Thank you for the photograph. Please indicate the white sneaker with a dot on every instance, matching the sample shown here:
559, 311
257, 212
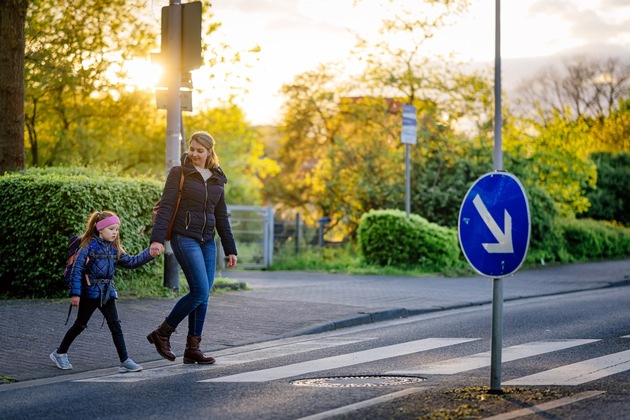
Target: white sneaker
129, 366
61, 360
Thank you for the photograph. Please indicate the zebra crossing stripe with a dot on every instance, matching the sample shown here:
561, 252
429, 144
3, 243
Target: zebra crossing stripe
479, 360
229, 359
343, 360
579, 373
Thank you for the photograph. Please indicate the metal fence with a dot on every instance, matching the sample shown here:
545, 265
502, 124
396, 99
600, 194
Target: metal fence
261, 238
252, 227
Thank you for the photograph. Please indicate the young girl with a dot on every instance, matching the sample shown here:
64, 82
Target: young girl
92, 285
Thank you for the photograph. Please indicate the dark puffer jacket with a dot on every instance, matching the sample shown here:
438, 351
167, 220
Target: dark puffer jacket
98, 261
202, 209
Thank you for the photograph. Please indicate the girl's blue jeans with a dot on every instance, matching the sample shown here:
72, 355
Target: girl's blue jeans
198, 262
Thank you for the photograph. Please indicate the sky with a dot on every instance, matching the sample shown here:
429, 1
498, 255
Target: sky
295, 36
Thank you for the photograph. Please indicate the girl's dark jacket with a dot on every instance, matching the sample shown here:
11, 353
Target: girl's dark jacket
97, 260
202, 209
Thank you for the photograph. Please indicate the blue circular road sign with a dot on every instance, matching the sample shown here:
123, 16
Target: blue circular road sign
494, 224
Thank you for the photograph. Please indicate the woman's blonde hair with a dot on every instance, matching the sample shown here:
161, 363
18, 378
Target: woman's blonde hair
207, 141
91, 231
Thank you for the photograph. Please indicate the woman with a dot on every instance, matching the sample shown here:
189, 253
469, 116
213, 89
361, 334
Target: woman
202, 211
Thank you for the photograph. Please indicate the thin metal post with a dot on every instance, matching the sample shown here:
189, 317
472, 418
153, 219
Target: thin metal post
407, 182
271, 235
173, 121
497, 284
498, 122
297, 233
497, 335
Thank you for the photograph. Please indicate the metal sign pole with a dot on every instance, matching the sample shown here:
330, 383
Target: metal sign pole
173, 121
407, 182
497, 283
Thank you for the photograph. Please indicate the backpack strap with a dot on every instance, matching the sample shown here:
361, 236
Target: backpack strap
68, 318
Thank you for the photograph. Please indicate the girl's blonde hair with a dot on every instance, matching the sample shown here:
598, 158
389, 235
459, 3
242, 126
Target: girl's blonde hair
208, 142
91, 231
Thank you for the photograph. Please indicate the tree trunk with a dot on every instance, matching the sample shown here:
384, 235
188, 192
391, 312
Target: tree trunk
12, 46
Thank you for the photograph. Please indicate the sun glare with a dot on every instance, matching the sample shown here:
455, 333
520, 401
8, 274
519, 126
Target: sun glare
142, 74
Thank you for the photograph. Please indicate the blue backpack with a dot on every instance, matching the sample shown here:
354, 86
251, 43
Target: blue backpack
73, 249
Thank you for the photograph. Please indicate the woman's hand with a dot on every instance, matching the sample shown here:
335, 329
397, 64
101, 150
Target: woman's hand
231, 261
74, 301
156, 249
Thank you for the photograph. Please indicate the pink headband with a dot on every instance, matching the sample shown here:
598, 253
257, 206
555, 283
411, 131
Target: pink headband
108, 221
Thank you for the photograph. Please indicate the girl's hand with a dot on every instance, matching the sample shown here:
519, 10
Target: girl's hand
156, 249
74, 301
231, 261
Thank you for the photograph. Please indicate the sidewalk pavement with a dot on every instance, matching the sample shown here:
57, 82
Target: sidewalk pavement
277, 305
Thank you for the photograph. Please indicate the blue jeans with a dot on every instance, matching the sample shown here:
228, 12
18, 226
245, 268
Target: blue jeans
198, 262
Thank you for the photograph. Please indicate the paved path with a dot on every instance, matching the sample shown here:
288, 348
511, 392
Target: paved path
279, 304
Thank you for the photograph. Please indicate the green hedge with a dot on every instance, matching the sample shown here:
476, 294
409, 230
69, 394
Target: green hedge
588, 239
42, 208
386, 237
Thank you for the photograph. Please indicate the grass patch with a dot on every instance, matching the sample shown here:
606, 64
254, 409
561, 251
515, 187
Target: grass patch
154, 288
347, 259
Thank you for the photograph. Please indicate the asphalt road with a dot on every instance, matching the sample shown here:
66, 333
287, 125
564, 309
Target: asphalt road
547, 344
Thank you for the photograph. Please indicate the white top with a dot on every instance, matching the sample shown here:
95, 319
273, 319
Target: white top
205, 173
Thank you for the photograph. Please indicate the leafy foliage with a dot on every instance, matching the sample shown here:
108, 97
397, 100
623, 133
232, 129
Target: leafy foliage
441, 181
387, 237
589, 239
610, 199
73, 66
554, 157
240, 150
41, 209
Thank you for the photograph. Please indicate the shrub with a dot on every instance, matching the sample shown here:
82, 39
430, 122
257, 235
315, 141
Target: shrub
609, 200
545, 240
42, 208
588, 239
386, 237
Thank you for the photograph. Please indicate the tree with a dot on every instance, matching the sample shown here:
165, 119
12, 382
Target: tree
12, 21
340, 150
610, 199
612, 133
587, 87
240, 150
555, 156
72, 67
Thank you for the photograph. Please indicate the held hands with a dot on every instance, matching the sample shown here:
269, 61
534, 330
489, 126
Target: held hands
74, 301
231, 261
156, 249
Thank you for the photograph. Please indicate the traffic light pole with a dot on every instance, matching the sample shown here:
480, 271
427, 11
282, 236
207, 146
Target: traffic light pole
173, 120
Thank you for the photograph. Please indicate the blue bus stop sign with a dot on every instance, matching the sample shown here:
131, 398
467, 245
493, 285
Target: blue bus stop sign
494, 225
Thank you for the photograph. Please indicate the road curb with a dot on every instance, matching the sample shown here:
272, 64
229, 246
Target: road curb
397, 313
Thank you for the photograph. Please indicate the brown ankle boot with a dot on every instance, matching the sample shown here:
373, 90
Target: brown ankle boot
192, 354
160, 338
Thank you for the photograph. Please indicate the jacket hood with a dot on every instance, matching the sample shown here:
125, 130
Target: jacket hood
189, 168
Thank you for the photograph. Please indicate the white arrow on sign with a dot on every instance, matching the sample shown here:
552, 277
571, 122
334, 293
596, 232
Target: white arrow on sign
504, 238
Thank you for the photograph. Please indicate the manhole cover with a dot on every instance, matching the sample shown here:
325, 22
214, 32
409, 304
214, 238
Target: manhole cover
359, 381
